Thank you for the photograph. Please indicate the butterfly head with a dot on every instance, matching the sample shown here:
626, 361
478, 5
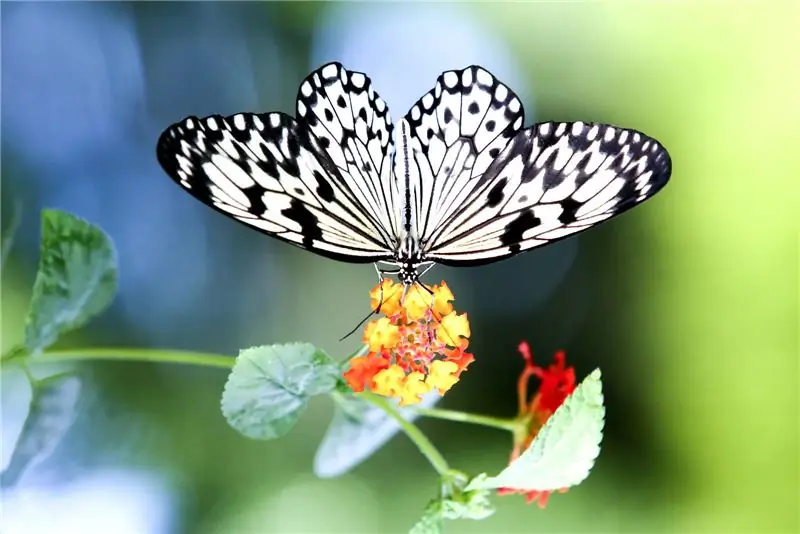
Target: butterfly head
407, 273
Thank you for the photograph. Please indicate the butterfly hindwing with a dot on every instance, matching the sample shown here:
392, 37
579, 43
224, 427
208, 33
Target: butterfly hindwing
551, 181
277, 175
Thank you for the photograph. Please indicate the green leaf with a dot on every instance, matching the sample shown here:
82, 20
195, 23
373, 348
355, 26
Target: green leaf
77, 278
474, 504
431, 521
564, 451
269, 387
7, 239
471, 504
454, 502
51, 413
357, 430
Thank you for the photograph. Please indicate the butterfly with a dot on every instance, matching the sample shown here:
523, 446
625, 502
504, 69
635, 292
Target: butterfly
457, 181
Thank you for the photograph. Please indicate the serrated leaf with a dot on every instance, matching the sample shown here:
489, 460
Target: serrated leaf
564, 451
269, 387
477, 505
357, 430
7, 238
473, 504
431, 521
52, 412
77, 278
454, 502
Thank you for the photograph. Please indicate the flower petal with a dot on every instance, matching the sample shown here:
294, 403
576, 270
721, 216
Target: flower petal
442, 375
363, 369
461, 358
389, 382
442, 299
558, 383
381, 334
454, 330
417, 303
386, 295
414, 387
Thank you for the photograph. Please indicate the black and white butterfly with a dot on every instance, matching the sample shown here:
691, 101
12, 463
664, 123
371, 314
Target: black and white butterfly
461, 183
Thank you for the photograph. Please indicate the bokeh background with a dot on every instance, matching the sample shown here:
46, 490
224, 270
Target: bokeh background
688, 304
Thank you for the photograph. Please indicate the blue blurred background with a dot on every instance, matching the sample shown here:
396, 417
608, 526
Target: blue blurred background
688, 303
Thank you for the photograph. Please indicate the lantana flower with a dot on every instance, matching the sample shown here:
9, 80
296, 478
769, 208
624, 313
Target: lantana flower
418, 346
557, 382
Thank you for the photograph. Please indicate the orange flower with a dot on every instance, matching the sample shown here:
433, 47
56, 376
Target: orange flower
417, 347
362, 370
557, 383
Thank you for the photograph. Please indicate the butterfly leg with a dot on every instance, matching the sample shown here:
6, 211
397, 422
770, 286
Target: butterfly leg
425, 287
382, 272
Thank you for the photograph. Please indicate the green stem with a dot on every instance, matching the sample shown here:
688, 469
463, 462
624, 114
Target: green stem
360, 352
510, 425
17, 351
131, 354
412, 431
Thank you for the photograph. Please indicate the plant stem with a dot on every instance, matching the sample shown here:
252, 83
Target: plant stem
17, 351
360, 352
510, 425
132, 354
412, 431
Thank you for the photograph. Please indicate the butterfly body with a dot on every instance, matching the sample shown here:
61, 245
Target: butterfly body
457, 181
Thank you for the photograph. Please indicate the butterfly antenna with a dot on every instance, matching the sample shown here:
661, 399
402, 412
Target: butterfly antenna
373, 312
364, 320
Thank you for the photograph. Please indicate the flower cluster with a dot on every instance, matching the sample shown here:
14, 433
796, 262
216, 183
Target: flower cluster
557, 383
419, 345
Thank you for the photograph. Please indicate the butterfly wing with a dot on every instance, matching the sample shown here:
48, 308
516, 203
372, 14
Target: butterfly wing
551, 181
450, 136
321, 182
482, 189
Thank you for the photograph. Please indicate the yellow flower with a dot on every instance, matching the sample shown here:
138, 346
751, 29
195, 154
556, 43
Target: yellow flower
417, 303
454, 330
418, 346
386, 295
381, 334
389, 382
414, 387
442, 375
442, 299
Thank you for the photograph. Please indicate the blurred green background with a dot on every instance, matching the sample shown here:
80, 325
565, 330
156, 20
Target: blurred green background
688, 303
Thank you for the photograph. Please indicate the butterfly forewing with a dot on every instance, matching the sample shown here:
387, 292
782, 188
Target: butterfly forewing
552, 180
308, 182
353, 123
452, 134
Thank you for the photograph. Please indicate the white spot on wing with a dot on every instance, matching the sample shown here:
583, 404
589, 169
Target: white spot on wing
483, 77
330, 71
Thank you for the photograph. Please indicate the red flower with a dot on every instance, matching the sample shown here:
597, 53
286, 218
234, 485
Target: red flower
557, 383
